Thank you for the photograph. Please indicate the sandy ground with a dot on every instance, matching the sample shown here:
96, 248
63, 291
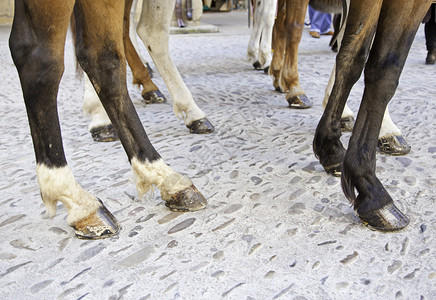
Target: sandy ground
276, 227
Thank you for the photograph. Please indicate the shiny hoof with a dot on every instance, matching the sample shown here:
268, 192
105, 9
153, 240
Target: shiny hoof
388, 218
394, 145
149, 69
347, 124
100, 225
105, 133
190, 199
154, 97
299, 102
257, 65
201, 126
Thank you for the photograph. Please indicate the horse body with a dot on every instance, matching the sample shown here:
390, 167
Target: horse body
37, 46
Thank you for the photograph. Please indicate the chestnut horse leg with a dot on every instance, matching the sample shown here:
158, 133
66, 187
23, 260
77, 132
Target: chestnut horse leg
278, 44
289, 80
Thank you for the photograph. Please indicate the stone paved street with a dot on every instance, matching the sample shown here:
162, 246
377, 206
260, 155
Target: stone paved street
276, 226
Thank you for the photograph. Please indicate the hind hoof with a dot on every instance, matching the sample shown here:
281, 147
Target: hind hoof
201, 126
257, 65
334, 170
99, 225
189, 199
394, 145
154, 97
299, 102
387, 218
347, 124
105, 133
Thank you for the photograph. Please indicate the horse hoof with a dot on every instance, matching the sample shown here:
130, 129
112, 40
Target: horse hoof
149, 69
347, 124
266, 70
299, 102
104, 133
394, 145
99, 225
154, 97
335, 170
201, 126
387, 218
257, 65
189, 199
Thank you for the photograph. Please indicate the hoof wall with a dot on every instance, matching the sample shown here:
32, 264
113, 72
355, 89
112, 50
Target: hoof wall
299, 102
388, 218
394, 145
100, 225
190, 199
154, 97
347, 124
104, 134
201, 126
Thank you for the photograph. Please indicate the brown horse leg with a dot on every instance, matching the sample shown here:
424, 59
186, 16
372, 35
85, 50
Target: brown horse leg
102, 58
141, 76
396, 29
290, 83
278, 44
37, 47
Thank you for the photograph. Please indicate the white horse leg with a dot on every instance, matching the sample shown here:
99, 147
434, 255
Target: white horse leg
268, 14
253, 44
100, 126
154, 30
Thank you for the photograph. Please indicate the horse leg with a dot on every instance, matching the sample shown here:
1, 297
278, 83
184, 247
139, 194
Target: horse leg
102, 58
392, 42
278, 45
37, 47
253, 44
289, 80
350, 61
150, 92
153, 29
268, 13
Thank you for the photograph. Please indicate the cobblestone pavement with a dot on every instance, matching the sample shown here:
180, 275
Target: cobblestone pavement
276, 227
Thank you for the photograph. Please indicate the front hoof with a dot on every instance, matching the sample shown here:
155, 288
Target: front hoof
394, 145
189, 199
387, 218
99, 225
201, 126
104, 133
154, 97
299, 102
347, 124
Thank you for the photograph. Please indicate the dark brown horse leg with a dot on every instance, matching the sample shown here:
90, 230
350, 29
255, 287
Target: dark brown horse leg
141, 76
349, 65
388, 54
37, 47
102, 58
